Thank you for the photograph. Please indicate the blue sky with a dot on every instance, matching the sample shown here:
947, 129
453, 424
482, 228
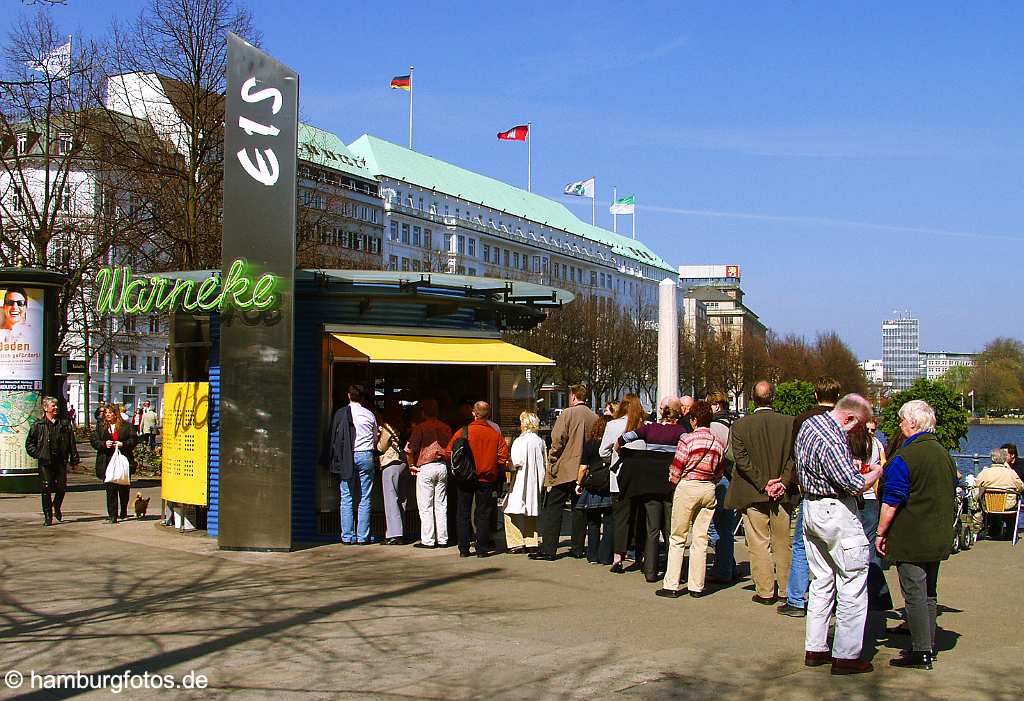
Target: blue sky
853, 158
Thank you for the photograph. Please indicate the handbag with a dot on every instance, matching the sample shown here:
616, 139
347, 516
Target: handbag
597, 479
117, 469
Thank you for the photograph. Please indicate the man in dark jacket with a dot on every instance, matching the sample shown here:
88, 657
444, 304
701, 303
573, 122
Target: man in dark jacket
914, 529
762, 447
51, 441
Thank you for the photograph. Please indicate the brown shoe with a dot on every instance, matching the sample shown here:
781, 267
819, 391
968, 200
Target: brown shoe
814, 658
857, 666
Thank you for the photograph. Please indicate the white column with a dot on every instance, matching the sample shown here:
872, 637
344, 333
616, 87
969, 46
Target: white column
668, 339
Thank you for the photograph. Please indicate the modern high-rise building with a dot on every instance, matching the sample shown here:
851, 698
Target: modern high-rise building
901, 351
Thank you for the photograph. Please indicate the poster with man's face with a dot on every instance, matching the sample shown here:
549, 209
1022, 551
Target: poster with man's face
21, 337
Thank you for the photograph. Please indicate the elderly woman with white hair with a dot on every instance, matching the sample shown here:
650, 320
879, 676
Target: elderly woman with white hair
915, 530
528, 457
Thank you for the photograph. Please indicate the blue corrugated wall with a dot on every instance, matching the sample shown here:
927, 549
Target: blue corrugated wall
213, 515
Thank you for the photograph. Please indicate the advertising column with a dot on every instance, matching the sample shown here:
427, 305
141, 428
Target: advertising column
25, 369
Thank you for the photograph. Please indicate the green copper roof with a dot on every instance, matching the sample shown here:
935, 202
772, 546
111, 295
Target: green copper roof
326, 149
391, 160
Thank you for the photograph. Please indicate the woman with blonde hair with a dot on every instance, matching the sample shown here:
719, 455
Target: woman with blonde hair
528, 458
112, 433
630, 416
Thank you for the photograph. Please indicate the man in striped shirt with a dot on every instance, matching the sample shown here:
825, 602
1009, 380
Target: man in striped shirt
837, 549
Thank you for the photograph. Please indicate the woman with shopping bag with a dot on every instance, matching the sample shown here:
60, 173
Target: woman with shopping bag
114, 440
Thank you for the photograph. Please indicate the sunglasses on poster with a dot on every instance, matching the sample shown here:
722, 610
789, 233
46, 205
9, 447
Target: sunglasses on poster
15, 303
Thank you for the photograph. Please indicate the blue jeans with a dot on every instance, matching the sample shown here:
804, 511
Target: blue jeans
799, 572
723, 525
361, 481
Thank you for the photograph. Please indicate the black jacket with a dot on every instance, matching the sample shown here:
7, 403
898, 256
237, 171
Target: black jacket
52, 443
126, 434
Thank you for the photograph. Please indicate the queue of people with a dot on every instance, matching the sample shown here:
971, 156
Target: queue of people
822, 503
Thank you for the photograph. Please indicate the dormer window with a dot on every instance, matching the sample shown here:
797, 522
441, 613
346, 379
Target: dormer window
64, 144
22, 144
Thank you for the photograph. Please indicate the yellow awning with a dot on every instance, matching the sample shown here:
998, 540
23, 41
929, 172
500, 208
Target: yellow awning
440, 350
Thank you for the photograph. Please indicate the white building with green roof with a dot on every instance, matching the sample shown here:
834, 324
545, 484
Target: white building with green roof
440, 217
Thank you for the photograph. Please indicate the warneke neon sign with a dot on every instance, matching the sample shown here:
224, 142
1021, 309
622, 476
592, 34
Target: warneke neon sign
121, 293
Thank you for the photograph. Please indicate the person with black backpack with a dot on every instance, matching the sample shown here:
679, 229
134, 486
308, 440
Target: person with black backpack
477, 456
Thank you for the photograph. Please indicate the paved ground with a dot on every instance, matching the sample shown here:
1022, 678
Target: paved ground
386, 622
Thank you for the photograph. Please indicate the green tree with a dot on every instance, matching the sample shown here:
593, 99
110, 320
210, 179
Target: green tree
998, 377
794, 397
950, 417
958, 378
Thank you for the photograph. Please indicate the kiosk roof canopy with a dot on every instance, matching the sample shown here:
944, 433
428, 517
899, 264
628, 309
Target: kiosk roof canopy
439, 350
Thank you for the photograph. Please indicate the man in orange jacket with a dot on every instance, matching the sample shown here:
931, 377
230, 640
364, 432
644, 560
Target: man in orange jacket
490, 454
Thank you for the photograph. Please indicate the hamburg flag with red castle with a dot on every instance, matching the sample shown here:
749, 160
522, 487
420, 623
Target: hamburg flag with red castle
518, 133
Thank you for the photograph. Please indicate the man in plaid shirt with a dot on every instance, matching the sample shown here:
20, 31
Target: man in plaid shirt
837, 549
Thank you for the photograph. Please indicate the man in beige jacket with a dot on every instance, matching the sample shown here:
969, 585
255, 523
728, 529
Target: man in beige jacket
998, 476
567, 437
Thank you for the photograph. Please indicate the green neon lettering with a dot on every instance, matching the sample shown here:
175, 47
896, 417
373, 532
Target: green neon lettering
207, 289
180, 290
111, 299
120, 293
140, 284
105, 279
157, 284
263, 293
236, 284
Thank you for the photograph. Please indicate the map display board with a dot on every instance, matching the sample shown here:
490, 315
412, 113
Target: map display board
21, 371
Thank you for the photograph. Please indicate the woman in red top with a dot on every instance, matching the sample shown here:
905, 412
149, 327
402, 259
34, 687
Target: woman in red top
696, 469
113, 432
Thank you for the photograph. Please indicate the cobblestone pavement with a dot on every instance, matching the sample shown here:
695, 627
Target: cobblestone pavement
340, 622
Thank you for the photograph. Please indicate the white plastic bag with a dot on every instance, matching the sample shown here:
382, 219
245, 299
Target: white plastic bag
117, 469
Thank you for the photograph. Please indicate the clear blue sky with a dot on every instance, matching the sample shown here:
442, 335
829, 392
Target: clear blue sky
853, 158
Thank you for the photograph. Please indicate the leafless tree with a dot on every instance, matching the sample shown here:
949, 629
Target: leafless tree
165, 108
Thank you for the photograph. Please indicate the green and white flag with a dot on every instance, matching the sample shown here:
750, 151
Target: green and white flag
626, 205
580, 188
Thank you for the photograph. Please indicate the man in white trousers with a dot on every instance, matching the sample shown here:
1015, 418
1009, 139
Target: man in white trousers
838, 552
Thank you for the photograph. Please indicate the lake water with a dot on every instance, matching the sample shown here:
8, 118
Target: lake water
981, 440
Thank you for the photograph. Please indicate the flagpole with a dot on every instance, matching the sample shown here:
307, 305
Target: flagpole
411, 69
593, 203
634, 217
615, 217
529, 156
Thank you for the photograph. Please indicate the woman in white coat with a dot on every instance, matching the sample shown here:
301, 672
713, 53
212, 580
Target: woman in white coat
528, 456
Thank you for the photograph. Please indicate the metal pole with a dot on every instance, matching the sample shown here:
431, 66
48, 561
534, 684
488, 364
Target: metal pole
634, 217
615, 217
529, 156
593, 205
411, 69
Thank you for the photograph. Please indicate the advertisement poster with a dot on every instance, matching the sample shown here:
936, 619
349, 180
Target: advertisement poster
21, 371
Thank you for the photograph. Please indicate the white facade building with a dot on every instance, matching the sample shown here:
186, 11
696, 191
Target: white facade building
874, 371
440, 217
935, 364
901, 350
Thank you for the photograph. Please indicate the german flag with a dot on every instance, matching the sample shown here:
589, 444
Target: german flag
401, 82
